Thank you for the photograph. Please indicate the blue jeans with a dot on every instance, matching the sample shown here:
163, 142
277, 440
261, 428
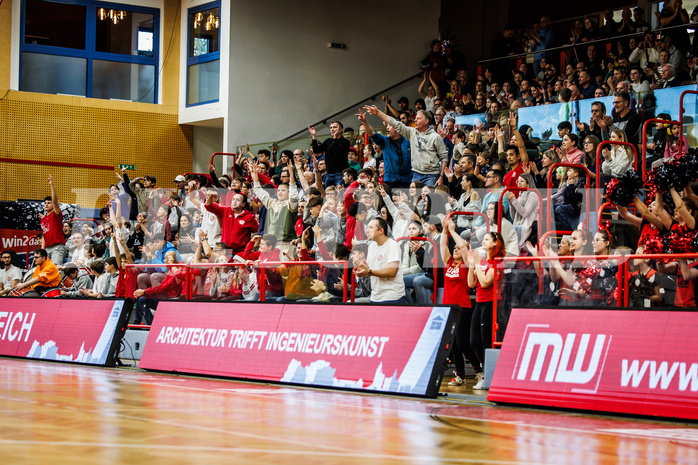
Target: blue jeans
409, 284
334, 179
423, 289
399, 301
426, 179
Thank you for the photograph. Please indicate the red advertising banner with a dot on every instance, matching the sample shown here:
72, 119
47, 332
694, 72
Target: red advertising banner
381, 348
624, 361
19, 239
81, 331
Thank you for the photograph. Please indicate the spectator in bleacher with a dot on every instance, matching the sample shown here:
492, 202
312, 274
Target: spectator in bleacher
410, 263
155, 254
526, 209
671, 145
396, 153
669, 77
610, 27
238, 224
52, 227
572, 194
45, 276
619, 159
673, 14
598, 123
590, 145
549, 158
429, 154
336, 150
97, 270
282, 210
587, 86
170, 288
79, 257
639, 17
640, 88
567, 273
382, 265
626, 119
545, 39
10, 275
569, 151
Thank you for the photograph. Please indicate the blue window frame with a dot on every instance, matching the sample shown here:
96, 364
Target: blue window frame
89, 48
203, 54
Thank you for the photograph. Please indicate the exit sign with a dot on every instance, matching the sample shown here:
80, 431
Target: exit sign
128, 167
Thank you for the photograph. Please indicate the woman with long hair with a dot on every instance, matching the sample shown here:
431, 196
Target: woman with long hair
549, 158
415, 192
469, 201
569, 274
671, 147
619, 159
526, 209
481, 275
568, 150
457, 292
590, 145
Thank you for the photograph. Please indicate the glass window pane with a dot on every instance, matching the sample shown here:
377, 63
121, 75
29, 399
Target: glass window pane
203, 32
202, 82
124, 32
51, 74
55, 24
123, 81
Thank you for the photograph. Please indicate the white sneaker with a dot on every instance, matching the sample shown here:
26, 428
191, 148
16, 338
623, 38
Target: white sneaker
457, 381
479, 381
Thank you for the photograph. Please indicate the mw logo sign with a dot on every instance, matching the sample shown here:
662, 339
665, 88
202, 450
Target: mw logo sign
561, 358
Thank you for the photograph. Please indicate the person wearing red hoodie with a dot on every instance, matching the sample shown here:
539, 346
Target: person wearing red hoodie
274, 286
238, 224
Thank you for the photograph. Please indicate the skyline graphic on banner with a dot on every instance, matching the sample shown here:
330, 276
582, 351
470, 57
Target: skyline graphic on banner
413, 379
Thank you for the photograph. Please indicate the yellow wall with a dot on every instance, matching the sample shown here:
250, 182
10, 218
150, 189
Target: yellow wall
54, 128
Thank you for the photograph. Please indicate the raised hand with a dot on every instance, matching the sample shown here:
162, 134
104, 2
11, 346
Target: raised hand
513, 118
312, 131
361, 116
50, 180
372, 109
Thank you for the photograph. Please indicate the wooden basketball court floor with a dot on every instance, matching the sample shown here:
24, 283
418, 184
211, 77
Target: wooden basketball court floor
66, 414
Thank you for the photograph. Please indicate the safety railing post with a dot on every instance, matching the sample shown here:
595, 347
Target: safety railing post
263, 284
345, 275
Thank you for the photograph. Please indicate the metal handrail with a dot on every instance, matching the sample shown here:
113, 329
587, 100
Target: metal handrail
263, 274
371, 97
619, 276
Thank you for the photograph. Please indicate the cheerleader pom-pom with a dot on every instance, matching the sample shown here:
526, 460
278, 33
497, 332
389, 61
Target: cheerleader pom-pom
654, 245
680, 241
623, 191
694, 241
665, 176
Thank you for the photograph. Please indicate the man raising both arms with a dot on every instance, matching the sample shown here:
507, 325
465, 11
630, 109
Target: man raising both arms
382, 265
429, 153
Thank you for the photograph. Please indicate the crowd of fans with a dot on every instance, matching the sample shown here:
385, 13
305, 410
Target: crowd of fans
411, 202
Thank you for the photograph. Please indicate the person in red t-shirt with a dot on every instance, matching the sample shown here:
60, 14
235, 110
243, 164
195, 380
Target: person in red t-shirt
457, 292
685, 296
481, 273
238, 224
52, 227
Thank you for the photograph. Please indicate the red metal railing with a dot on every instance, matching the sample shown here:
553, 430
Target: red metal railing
208, 177
434, 259
224, 154
551, 173
582, 258
263, 275
644, 141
